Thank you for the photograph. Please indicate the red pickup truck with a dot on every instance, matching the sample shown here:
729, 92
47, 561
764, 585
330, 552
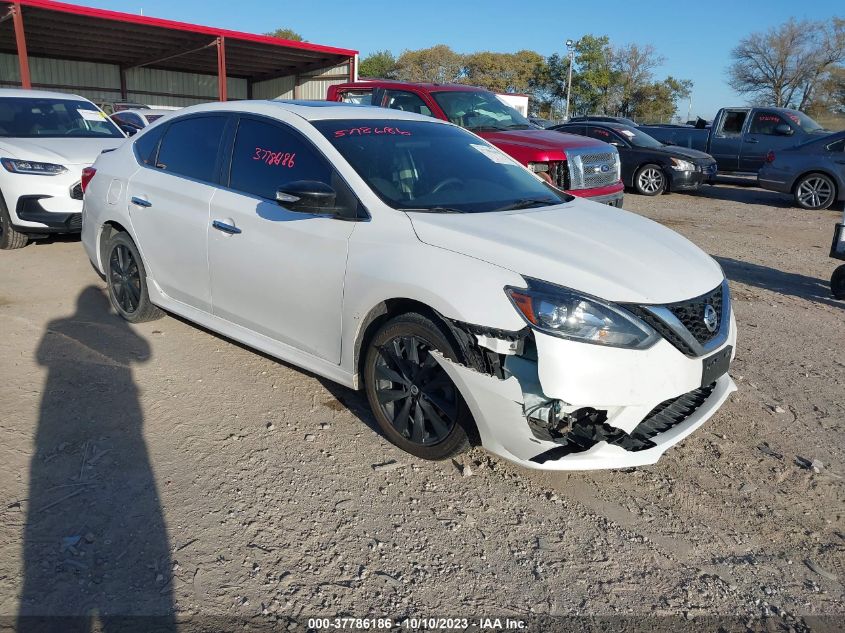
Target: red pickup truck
582, 166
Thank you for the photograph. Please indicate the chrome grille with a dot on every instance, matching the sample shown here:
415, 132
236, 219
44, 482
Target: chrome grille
589, 168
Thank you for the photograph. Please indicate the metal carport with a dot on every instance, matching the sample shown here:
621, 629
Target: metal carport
32, 30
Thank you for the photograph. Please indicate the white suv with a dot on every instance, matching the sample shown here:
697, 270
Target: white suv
46, 139
404, 255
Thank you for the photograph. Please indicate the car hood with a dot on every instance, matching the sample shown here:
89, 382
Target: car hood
65, 151
547, 140
686, 152
593, 248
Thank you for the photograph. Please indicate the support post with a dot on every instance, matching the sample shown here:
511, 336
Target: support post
123, 91
20, 42
221, 69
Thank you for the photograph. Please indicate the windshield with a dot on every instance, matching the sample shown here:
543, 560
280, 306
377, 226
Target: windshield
480, 111
635, 137
23, 117
803, 121
434, 167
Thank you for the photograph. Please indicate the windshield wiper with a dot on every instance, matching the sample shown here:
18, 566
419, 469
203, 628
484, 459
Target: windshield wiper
435, 210
527, 203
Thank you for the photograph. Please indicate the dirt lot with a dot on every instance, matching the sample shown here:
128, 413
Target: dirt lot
161, 468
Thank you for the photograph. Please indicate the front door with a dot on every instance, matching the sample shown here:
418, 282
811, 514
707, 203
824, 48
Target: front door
766, 132
169, 204
275, 271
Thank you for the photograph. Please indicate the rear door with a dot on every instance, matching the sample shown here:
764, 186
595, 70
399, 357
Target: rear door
169, 200
726, 138
763, 135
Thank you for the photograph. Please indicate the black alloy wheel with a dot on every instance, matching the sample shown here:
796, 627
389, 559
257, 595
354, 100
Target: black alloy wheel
127, 281
414, 400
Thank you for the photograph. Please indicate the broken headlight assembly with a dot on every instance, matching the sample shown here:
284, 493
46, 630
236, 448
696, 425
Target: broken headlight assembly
571, 315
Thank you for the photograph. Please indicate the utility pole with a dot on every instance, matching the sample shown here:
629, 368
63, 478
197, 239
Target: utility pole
570, 44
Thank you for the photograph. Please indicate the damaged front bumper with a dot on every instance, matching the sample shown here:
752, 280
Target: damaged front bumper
566, 405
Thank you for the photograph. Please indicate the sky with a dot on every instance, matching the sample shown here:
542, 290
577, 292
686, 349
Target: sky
694, 38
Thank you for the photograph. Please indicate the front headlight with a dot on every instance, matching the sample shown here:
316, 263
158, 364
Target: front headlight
682, 165
565, 313
32, 167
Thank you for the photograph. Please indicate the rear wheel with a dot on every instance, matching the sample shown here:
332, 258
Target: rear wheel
837, 282
414, 401
9, 237
127, 281
650, 180
815, 192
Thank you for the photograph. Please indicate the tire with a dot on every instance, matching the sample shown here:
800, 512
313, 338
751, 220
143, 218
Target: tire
9, 237
650, 180
416, 405
815, 192
837, 282
126, 278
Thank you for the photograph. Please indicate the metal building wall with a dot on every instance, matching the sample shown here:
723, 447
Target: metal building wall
101, 82
312, 86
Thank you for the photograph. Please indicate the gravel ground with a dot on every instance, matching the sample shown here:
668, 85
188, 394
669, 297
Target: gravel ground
161, 469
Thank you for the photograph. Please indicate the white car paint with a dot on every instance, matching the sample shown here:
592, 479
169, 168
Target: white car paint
304, 291
54, 190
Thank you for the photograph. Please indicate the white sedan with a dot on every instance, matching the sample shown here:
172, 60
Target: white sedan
406, 256
46, 139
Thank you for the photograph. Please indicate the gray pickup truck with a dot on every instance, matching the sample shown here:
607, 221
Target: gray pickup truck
740, 138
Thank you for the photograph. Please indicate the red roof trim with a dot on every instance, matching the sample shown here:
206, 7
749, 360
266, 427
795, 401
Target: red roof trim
129, 18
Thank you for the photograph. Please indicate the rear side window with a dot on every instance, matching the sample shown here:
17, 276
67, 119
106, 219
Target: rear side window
733, 122
146, 146
190, 147
601, 134
360, 97
406, 101
267, 156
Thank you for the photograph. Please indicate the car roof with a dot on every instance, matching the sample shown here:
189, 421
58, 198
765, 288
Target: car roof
309, 110
145, 111
39, 94
431, 87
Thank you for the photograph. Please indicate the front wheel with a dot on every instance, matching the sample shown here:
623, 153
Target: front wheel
815, 192
837, 282
127, 281
414, 401
9, 237
650, 180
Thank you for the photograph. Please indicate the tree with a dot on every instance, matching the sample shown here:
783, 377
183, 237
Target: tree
502, 72
286, 34
438, 64
595, 78
380, 65
785, 65
657, 101
633, 67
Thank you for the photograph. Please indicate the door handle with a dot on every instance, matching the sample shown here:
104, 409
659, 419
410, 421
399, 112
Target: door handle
751, 140
226, 228
141, 202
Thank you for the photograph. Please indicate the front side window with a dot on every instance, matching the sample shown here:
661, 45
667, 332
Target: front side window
190, 147
601, 134
766, 122
405, 101
31, 117
429, 166
479, 111
267, 156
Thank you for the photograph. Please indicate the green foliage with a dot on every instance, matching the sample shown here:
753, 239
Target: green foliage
286, 34
378, 65
502, 72
438, 64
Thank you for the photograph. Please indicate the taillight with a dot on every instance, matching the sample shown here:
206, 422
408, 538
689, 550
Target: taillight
87, 175
770, 157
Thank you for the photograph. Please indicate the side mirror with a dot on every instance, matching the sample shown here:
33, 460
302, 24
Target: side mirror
782, 129
307, 196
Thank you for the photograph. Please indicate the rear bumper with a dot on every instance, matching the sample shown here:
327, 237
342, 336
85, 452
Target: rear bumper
773, 184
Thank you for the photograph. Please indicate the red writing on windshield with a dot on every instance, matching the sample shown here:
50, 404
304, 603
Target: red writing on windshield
364, 131
269, 157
